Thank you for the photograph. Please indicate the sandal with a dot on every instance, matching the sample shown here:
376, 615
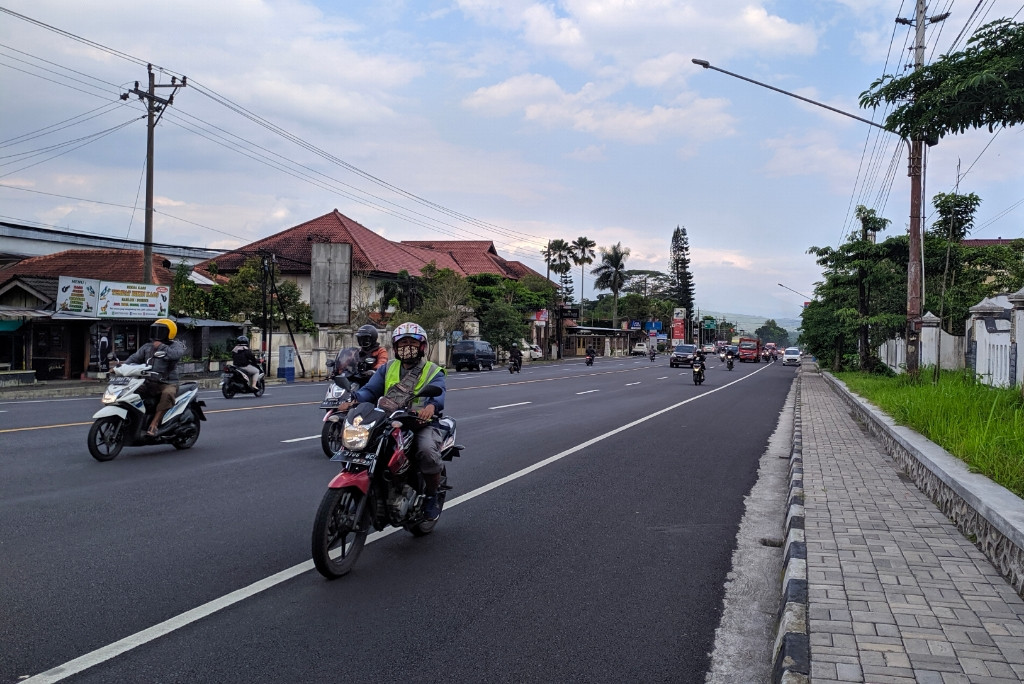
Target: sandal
151, 432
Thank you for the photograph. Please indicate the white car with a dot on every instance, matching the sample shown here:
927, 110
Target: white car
791, 357
640, 349
532, 352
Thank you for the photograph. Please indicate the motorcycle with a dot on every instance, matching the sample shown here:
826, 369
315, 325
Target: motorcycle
514, 365
589, 360
236, 381
377, 486
728, 361
125, 416
347, 365
652, 355
698, 372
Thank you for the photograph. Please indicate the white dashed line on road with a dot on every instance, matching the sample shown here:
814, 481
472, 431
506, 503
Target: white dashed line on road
588, 391
522, 403
632, 383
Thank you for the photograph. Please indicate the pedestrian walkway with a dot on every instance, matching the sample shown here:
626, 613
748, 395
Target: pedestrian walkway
895, 593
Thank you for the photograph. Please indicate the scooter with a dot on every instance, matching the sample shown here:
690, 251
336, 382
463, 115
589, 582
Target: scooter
236, 381
514, 365
589, 360
125, 416
653, 354
728, 361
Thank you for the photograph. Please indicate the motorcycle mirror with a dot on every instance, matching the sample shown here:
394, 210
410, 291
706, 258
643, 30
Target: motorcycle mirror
330, 364
342, 382
430, 391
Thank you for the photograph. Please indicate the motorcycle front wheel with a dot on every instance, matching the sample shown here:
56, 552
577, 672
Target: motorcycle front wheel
330, 437
261, 387
106, 438
338, 537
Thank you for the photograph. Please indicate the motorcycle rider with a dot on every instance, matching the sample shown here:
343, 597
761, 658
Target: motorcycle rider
161, 353
244, 360
698, 357
591, 352
371, 355
515, 355
391, 386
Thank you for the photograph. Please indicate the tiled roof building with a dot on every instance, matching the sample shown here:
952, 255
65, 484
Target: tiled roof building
371, 253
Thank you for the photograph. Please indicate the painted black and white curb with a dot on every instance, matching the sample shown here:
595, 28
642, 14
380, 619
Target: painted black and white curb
791, 655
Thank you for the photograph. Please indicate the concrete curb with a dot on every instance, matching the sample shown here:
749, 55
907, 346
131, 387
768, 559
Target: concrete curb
791, 661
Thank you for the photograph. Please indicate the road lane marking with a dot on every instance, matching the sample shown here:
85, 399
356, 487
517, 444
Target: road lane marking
663, 377
299, 439
632, 383
588, 391
522, 403
105, 653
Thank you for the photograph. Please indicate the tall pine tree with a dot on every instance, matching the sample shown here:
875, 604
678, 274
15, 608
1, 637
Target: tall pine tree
681, 290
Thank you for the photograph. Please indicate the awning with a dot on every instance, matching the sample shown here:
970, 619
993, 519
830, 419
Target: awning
68, 316
8, 312
10, 326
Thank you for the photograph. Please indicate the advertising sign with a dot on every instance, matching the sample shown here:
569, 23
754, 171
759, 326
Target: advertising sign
106, 299
77, 295
133, 300
678, 330
678, 314
634, 325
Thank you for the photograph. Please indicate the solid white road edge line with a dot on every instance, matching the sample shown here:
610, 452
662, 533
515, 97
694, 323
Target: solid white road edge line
101, 655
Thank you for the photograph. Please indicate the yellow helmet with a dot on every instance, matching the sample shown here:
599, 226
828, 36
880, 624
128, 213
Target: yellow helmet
163, 329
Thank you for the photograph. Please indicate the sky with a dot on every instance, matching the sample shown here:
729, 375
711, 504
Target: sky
512, 121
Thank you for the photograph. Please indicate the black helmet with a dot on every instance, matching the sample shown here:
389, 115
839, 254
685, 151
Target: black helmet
242, 339
366, 337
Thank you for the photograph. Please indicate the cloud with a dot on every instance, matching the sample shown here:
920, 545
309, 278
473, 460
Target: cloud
815, 153
590, 153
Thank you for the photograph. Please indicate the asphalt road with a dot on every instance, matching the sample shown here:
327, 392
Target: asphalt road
588, 537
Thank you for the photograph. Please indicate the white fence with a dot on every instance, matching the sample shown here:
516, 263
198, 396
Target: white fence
994, 334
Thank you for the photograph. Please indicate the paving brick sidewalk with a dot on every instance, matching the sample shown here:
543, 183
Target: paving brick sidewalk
895, 591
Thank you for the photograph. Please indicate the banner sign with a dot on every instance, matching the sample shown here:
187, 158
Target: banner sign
108, 299
678, 314
541, 315
678, 330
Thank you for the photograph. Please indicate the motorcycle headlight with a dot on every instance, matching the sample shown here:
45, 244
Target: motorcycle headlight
355, 437
112, 394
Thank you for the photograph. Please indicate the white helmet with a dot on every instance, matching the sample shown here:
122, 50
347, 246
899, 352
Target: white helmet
412, 330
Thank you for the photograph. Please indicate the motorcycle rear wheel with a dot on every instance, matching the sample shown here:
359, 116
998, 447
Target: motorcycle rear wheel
188, 442
261, 387
106, 438
330, 437
425, 527
228, 393
337, 530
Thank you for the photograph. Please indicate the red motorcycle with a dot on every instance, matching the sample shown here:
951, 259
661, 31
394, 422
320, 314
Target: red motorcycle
378, 485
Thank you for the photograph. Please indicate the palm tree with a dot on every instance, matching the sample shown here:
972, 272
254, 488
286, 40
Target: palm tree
611, 275
582, 256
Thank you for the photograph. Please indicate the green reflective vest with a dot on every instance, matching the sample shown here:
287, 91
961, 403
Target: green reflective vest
392, 375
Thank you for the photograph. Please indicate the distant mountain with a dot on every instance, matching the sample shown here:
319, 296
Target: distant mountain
750, 323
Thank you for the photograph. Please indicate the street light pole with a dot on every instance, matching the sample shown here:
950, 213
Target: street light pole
794, 291
915, 171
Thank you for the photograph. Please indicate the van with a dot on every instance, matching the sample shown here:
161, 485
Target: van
473, 354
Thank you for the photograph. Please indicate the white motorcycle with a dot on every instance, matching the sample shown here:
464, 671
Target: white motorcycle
125, 416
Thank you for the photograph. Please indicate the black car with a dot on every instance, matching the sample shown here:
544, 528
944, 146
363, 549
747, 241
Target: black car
473, 354
682, 355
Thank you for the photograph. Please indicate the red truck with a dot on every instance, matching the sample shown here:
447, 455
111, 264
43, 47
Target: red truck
750, 349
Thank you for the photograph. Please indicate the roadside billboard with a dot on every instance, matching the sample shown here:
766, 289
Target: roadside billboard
110, 299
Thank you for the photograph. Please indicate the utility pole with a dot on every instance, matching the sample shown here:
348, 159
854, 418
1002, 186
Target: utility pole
155, 107
915, 270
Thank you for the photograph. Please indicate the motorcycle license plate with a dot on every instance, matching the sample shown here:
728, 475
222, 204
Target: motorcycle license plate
119, 381
330, 403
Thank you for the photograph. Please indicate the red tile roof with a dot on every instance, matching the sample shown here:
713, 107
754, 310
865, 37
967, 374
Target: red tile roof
986, 242
119, 265
476, 256
371, 252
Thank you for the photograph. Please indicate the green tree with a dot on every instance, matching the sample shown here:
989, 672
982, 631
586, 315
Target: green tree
187, 298
583, 255
503, 324
611, 275
681, 289
980, 86
772, 332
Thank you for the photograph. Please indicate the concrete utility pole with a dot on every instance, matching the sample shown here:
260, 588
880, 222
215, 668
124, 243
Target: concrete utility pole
915, 270
154, 110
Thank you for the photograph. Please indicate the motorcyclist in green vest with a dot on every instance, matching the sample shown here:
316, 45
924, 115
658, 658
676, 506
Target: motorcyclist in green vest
394, 383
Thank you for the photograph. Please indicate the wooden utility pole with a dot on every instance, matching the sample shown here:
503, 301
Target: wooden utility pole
154, 110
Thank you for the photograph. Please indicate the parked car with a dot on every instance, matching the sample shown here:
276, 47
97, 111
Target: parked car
639, 349
473, 354
791, 356
532, 352
682, 355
